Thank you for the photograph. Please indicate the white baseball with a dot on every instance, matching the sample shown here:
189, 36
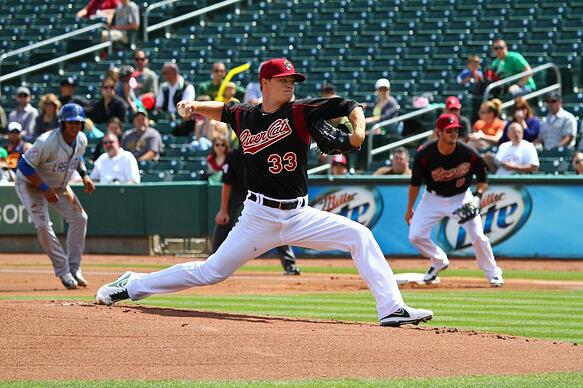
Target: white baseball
183, 109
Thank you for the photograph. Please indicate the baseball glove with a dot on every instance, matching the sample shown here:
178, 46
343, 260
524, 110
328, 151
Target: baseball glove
330, 139
468, 210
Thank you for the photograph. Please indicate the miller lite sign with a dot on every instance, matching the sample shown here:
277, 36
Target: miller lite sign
504, 210
362, 204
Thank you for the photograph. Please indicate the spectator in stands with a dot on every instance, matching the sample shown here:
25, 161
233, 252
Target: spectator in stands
252, 93
559, 127
147, 80
217, 155
454, 106
126, 20
113, 73
3, 119
97, 8
328, 90
25, 114
578, 162
386, 106
229, 93
16, 145
399, 166
211, 87
516, 156
173, 90
116, 165
143, 141
509, 63
522, 114
109, 105
489, 128
471, 75
206, 129
91, 131
339, 165
6, 174
67, 91
48, 118
113, 126
124, 88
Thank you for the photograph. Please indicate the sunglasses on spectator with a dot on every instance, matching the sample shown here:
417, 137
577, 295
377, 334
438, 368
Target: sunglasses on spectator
220, 145
107, 142
577, 161
218, 71
139, 59
107, 87
498, 47
551, 101
22, 95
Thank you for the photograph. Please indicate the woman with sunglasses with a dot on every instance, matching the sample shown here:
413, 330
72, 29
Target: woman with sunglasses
109, 105
218, 155
522, 113
489, 128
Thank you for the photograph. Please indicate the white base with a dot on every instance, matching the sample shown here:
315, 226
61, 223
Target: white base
416, 278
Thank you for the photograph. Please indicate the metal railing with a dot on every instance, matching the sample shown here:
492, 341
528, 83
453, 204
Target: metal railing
55, 61
46, 42
149, 9
371, 132
518, 76
190, 15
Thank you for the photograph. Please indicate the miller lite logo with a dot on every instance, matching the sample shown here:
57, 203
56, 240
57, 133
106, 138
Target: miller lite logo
252, 144
504, 210
359, 203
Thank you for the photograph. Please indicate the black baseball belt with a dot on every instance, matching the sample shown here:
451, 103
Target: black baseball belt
287, 205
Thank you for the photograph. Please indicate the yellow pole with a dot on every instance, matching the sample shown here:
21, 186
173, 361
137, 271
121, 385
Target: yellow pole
233, 72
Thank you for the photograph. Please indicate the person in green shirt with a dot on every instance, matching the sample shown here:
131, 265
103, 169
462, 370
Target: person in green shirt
509, 63
211, 87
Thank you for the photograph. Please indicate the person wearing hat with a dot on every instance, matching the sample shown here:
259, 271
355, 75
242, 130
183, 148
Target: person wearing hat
43, 176
559, 127
275, 140
386, 106
143, 141
339, 165
454, 106
16, 145
25, 114
67, 93
447, 166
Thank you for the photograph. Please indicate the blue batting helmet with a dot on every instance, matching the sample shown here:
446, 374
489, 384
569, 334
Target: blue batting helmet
72, 112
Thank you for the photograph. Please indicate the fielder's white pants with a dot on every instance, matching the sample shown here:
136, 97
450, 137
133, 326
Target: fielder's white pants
70, 208
261, 228
431, 209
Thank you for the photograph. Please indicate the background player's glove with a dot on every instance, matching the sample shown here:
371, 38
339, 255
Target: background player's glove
330, 139
468, 210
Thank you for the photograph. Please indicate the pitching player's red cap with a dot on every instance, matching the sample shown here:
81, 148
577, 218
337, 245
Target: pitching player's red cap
453, 102
447, 121
279, 67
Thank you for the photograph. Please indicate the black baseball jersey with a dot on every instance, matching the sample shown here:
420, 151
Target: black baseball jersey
447, 175
234, 175
275, 145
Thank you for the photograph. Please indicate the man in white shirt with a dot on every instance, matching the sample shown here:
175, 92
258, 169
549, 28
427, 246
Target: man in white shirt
173, 89
116, 165
559, 127
517, 155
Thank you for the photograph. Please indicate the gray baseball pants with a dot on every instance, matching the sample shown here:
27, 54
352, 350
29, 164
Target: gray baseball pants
70, 208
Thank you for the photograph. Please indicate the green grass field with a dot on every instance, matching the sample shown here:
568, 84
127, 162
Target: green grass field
545, 314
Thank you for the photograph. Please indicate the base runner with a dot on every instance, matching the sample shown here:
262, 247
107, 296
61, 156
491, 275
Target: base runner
447, 167
275, 138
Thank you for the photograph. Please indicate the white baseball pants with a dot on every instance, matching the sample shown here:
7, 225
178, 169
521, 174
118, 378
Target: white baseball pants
431, 209
261, 228
71, 209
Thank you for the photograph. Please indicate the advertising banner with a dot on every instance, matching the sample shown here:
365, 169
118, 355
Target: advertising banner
534, 220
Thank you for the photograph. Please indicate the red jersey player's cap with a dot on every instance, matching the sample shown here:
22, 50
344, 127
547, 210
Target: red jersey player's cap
453, 102
447, 121
279, 67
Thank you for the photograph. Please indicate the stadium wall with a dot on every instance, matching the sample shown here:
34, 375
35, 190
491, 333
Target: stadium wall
523, 217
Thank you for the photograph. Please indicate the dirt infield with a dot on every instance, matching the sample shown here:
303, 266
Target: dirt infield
78, 340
